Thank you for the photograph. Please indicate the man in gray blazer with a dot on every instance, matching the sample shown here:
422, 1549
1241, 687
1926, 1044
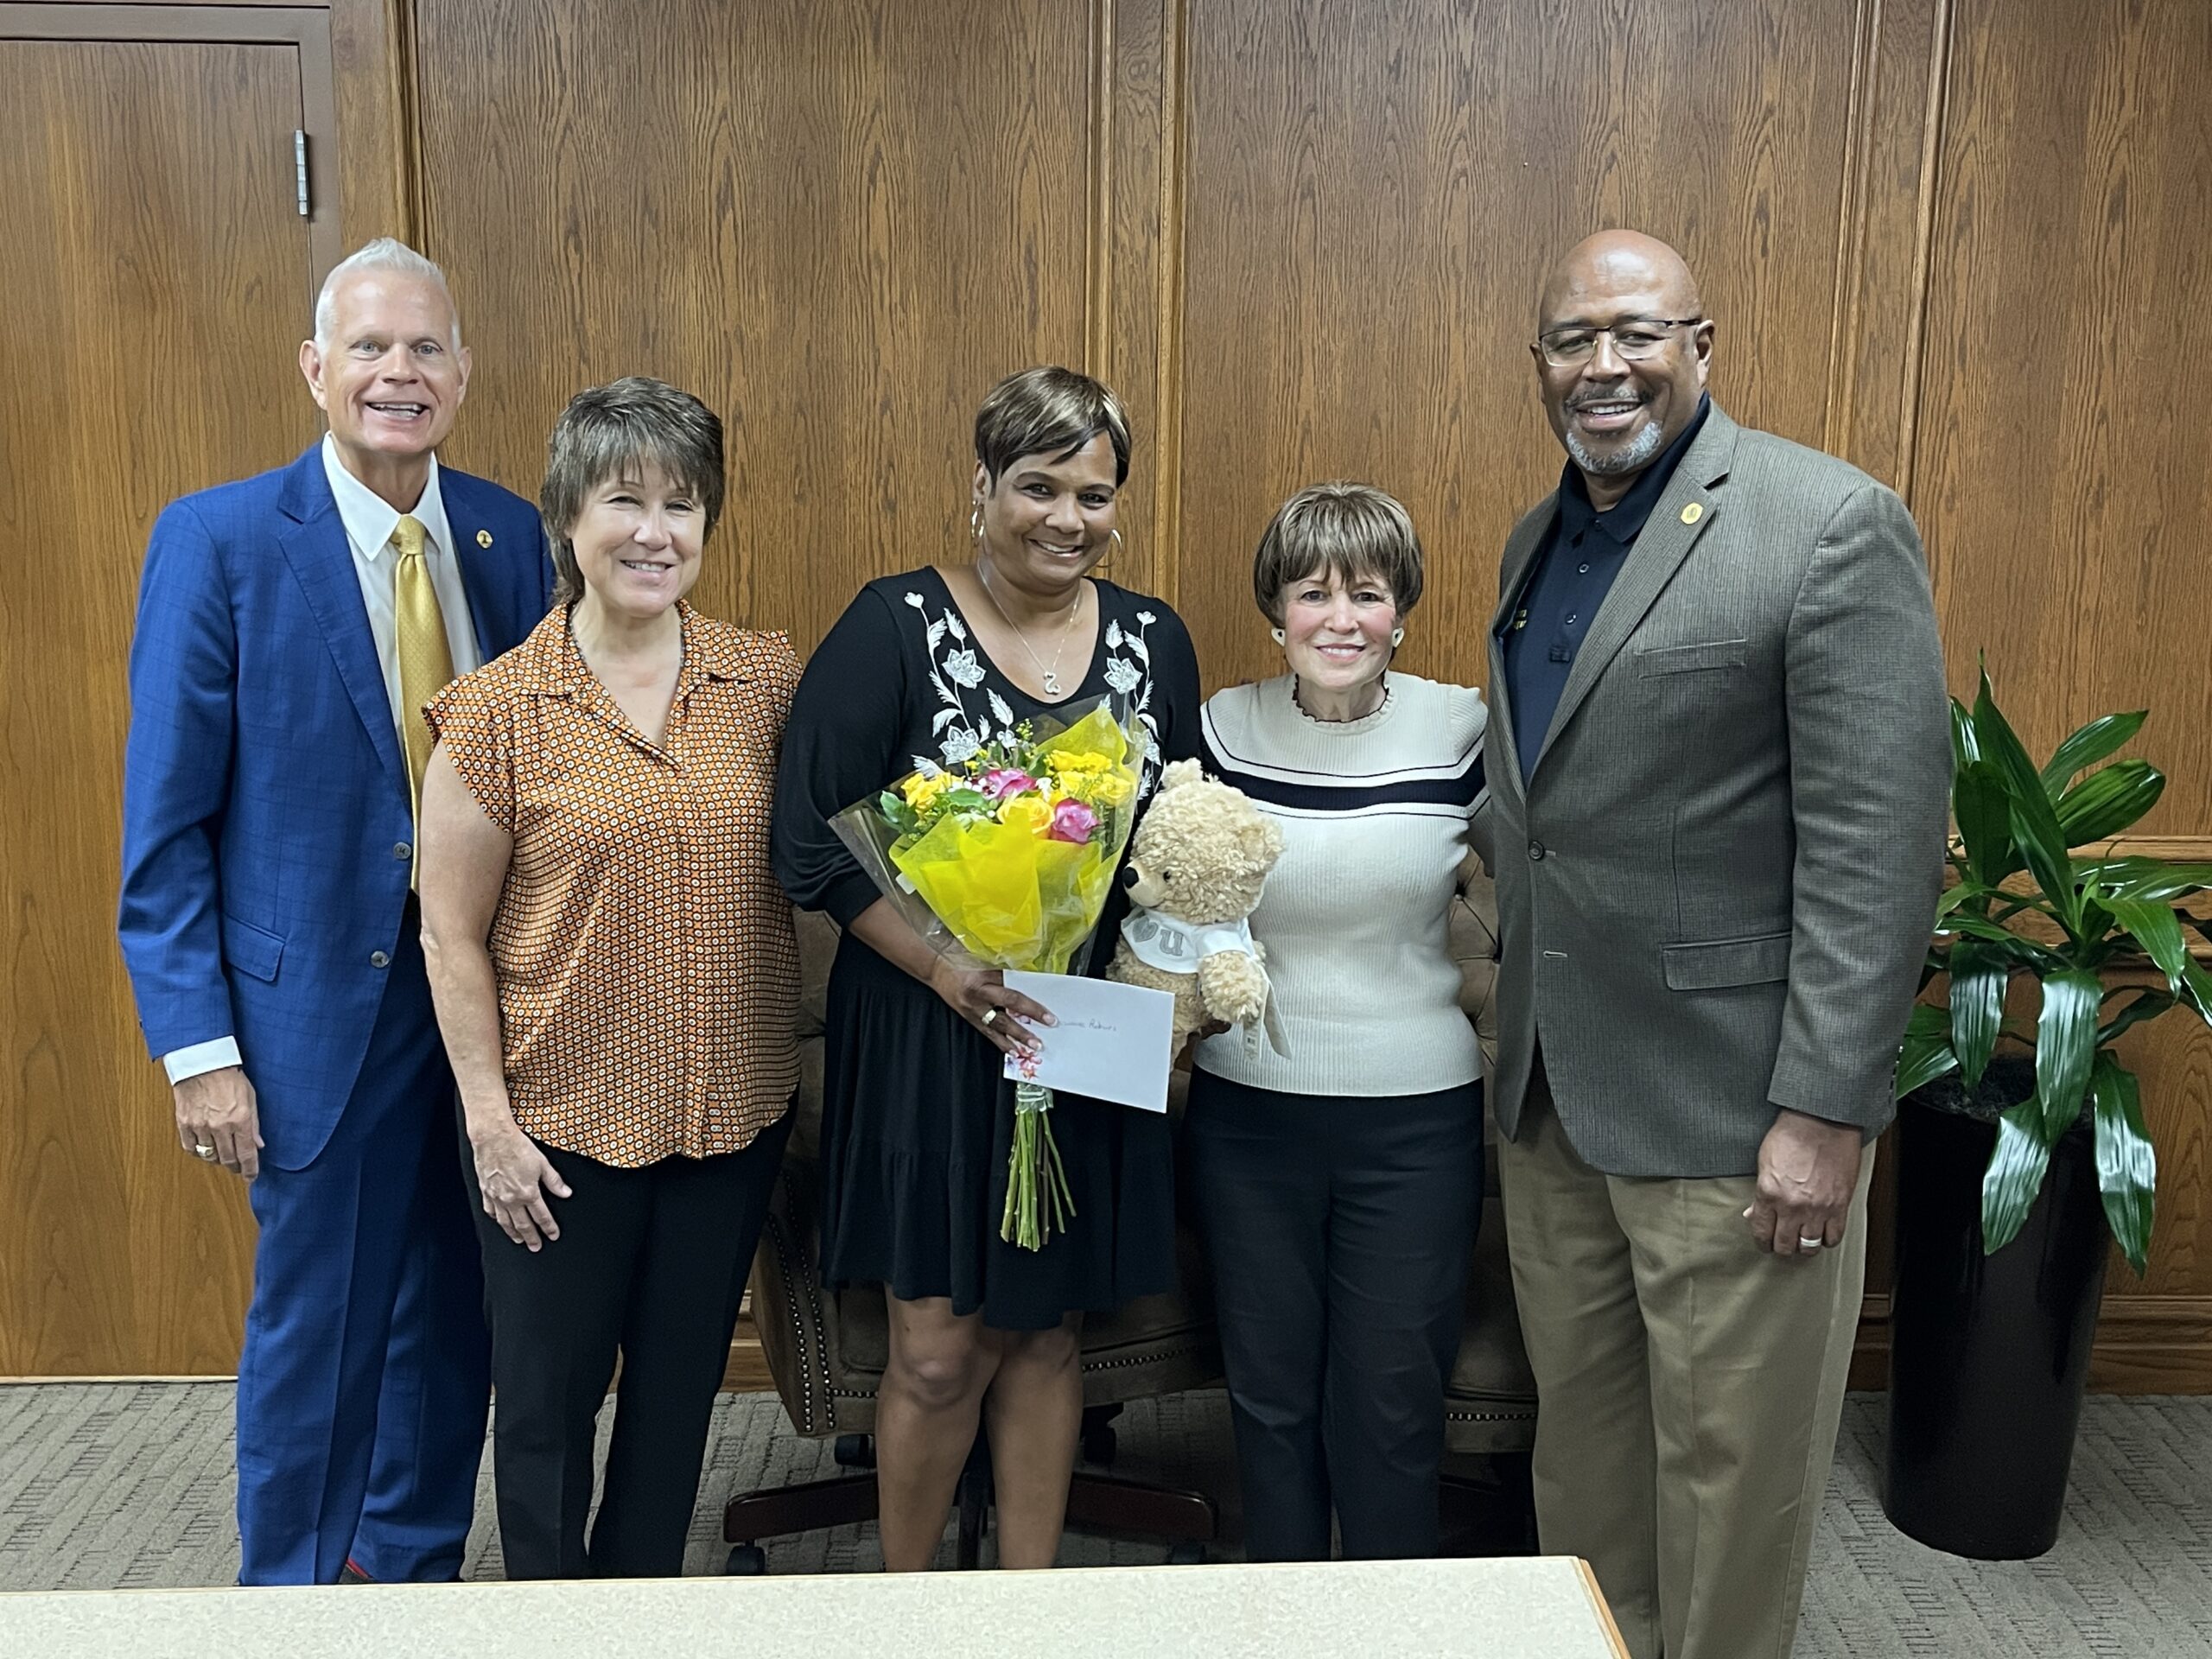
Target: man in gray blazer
1718, 756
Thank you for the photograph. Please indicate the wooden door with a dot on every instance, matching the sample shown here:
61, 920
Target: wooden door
157, 274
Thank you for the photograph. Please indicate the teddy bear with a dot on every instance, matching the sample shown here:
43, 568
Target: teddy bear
1197, 863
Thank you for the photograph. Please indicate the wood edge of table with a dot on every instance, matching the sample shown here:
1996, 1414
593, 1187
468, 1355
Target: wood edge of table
1597, 1601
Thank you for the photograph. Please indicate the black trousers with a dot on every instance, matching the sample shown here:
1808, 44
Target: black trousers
651, 1265
1339, 1232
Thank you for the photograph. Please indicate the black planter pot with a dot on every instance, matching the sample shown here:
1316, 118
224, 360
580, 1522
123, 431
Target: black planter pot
1988, 1354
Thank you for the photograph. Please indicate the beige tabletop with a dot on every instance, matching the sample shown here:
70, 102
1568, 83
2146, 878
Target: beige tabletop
1514, 1608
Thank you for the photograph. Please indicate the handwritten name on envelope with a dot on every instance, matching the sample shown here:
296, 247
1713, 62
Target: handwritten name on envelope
1111, 1042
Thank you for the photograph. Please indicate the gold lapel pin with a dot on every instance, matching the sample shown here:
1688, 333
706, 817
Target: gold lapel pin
483, 538
1691, 514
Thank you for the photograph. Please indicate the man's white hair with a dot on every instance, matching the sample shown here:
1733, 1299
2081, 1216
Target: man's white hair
385, 253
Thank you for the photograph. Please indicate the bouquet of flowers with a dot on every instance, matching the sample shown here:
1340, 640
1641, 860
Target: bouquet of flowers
1009, 856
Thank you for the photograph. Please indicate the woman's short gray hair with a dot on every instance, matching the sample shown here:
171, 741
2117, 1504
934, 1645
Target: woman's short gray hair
1048, 411
1351, 531
635, 421
385, 253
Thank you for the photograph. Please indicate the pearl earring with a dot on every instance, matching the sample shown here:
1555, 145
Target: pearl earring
1278, 634
1397, 638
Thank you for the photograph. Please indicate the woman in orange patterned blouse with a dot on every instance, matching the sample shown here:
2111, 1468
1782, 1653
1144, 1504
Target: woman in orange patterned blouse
616, 979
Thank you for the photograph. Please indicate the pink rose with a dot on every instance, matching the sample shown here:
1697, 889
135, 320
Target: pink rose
1072, 821
1007, 781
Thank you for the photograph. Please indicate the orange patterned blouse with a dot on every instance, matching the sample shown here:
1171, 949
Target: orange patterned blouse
647, 969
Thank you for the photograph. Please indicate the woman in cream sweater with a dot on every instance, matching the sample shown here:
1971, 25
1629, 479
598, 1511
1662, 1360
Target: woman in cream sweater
1340, 1177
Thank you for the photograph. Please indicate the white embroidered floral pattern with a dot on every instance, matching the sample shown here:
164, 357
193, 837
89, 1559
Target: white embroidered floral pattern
956, 670
1128, 671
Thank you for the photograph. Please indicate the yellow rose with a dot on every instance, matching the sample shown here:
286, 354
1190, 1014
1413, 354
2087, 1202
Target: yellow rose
922, 791
1026, 811
1077, 763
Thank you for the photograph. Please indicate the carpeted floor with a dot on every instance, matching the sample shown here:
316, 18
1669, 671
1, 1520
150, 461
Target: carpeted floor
130, 1486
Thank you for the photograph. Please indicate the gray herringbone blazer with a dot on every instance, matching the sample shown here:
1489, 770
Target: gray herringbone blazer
1716, 890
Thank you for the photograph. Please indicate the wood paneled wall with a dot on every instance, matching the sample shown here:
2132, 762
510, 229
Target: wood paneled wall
836, 222
1375, 191
1966, 244
2065, 501
2068, 294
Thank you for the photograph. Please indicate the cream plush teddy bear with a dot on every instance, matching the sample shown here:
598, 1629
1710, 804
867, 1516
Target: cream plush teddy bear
1196, 867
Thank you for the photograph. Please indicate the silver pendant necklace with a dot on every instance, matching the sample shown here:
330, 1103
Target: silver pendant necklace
1051, 676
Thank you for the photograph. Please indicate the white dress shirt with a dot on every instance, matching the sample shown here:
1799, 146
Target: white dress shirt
369, 520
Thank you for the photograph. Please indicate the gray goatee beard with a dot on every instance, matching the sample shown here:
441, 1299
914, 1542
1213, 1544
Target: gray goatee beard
1633, 456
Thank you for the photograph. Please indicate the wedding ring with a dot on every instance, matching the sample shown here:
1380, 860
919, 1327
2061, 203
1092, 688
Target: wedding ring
990, 1014
1805, 1243
207, 1153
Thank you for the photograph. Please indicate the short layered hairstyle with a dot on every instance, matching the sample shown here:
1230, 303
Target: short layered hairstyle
385, 253
1354, 532
1048, 411
619, 430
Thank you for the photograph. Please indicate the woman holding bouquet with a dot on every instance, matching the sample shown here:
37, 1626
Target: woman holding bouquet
923, 669
1340, 1180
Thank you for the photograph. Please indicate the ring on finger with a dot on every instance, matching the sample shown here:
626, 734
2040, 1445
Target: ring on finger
1814, 1244
990, 1014
206, 1153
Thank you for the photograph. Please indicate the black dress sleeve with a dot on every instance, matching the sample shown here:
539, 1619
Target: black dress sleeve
843, 743
1174, 711
1175, 688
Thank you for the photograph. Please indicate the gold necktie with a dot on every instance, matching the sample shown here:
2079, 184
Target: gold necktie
419, 639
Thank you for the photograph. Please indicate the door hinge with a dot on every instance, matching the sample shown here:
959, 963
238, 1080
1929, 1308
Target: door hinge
299, 169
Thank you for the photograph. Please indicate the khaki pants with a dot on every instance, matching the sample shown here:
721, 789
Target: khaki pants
1688, 1388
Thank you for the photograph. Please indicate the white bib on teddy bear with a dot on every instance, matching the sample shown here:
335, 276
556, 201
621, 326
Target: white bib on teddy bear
1175, 947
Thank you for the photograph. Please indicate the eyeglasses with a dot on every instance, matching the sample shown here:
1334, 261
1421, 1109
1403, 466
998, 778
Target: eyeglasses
1634, 339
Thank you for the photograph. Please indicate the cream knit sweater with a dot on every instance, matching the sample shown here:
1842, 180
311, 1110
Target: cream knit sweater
1355, 918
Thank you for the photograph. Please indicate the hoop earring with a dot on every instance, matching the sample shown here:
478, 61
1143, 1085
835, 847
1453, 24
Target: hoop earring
976, 521
1277, 632
1113, 547
1397, 638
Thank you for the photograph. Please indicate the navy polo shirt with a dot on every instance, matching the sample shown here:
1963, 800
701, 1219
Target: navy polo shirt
1568, 581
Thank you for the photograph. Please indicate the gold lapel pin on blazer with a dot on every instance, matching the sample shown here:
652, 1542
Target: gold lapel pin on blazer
483, 538
1692, 513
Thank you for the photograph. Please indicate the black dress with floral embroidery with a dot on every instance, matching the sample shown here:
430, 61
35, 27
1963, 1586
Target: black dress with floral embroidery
916, 1120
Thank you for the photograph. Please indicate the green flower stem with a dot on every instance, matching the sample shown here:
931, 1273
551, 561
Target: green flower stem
1038, 1200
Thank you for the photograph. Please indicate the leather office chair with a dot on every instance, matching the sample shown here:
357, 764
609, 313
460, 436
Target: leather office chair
827, 1349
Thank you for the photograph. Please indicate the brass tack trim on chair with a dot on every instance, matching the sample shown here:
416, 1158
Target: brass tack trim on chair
780, 1235
1152, 1356
785, 1252
1452, 1416
821, 1346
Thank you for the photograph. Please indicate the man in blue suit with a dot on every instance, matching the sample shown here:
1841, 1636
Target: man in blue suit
289, 627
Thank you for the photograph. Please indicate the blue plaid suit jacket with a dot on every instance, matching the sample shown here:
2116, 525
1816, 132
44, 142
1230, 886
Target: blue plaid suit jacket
264, 796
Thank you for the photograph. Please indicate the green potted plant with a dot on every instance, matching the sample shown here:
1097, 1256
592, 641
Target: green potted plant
2011, 1138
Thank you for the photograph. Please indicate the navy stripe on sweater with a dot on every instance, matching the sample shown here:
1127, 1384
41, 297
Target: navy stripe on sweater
1353, 794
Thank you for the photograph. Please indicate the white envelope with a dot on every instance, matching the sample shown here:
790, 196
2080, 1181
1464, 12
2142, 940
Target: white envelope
1111, 1042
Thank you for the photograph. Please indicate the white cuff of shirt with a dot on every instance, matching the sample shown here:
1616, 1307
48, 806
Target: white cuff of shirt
201, 1057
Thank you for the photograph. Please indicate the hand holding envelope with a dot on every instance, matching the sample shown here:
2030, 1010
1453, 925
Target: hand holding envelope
1113, 1041
1010, 852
